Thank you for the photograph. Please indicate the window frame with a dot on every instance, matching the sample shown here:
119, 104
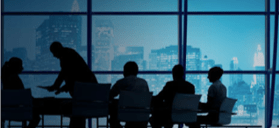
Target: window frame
182, 43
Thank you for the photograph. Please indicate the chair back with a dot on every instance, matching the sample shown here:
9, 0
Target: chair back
226, 111
16, 105
90, 99
185, 107
134, 106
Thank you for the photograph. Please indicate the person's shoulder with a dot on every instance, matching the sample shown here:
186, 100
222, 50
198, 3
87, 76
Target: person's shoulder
121, 80
69, 50
189, 83
211, 87
141, 79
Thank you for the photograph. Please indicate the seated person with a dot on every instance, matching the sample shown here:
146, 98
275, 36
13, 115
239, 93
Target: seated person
130, 82
217, 92
11, 80
165, 98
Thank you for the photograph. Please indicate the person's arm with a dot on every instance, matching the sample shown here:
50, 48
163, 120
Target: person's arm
192, 91
210, 97
114, 91
163, 93
57, 82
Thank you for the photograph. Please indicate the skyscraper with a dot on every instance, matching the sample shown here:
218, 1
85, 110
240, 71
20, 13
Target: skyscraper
193, 62
164, 58
161, 59
65, 29
235, 78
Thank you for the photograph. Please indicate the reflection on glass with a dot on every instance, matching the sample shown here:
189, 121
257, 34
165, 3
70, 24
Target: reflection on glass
249, 90
29, 38
150, 41
134, 5
235, 42
226, 5
45, 5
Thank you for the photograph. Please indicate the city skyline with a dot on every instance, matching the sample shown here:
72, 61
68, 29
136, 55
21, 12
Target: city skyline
234, 43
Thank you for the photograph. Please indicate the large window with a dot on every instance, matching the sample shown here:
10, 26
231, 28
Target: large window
237, 35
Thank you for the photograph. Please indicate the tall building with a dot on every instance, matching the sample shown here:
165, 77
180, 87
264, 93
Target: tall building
258, 83
161, 59
164, 58
102, 47
65, 29
193, 62
235, 78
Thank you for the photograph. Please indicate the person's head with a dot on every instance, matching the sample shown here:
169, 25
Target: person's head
215, 74
15, 65
56, 49
177, 72
130, 68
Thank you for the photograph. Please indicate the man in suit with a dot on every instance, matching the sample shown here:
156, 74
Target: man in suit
73, 68
217, 92
165, 98
130, 82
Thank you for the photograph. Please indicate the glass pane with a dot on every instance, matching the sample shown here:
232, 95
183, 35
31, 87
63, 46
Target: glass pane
272, 19
275, 118
156, 82
272, 5
45, 5
150, 41
134, 5
272, 26
249, 90
29, 38
226, 5
235, 42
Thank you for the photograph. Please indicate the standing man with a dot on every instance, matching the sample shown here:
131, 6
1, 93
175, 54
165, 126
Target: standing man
73, 68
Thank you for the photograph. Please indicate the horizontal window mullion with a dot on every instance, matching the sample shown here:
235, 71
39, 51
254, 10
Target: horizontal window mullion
230, 72
229, 13
154, 72
44, 13
137, 13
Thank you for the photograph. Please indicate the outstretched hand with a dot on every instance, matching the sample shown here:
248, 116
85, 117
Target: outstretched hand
62, 89
49, 88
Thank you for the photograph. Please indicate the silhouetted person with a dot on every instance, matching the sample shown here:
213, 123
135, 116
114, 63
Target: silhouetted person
217, 92
73, 68
164, 99
130, 82
11, 81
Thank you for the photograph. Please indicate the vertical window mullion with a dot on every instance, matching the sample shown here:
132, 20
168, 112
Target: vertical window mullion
2, 31
89, 33
180, 32
89, 39
273, 64
185, 34
267, 59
